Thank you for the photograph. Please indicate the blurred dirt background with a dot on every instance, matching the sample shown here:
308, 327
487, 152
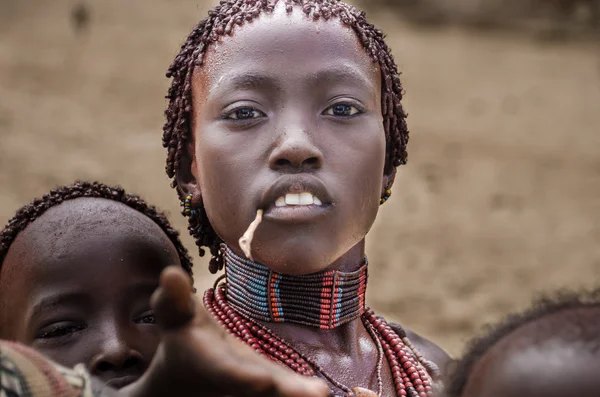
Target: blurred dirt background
501, 197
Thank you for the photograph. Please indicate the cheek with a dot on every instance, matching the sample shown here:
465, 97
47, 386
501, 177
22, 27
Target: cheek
70, 354
214, 170
371, 180
358, 174
13, 324
225, 174
365, 166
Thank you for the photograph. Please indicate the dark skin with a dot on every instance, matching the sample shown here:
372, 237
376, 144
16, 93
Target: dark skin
534, 361
197, 356
94, 265
82, 295
288, 81
292, 104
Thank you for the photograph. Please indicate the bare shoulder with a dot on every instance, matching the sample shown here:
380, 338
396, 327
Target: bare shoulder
427, 348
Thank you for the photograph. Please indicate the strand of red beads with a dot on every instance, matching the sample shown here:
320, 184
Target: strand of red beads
409, 372
254, 335
410, 377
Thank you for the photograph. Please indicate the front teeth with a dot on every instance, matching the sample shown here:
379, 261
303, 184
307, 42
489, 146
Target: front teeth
304, 198
280, 202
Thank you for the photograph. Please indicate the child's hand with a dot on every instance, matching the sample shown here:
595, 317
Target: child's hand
197, 357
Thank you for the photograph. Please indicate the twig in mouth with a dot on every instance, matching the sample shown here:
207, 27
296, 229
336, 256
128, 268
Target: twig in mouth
246, 239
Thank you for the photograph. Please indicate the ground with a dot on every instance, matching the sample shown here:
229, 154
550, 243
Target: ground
500, 200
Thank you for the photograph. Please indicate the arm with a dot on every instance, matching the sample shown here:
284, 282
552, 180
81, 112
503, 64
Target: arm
195, 357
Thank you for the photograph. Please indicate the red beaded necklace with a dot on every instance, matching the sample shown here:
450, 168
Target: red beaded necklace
410, 371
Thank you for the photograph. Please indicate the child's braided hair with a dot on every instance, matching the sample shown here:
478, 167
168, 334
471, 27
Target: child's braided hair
37, 207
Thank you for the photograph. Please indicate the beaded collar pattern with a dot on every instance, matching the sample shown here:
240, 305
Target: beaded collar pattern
413, 375
325, 299
411, 372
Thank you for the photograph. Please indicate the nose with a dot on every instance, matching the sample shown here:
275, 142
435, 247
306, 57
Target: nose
295, 152
115, 355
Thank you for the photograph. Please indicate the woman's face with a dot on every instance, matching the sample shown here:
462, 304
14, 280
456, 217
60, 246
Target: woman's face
287, 119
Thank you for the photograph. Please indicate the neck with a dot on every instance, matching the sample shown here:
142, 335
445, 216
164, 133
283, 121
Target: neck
352, 260
325, 300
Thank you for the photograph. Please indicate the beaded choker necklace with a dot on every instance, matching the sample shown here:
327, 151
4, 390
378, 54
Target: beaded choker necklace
258, 296
325, 300
411, 372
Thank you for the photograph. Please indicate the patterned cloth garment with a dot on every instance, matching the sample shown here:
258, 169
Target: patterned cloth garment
26, 373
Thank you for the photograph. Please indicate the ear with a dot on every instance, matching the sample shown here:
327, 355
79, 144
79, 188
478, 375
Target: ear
388, 180
186, 177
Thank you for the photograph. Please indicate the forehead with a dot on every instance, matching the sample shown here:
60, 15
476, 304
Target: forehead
84, 230
551, 370
551, 356
288, 46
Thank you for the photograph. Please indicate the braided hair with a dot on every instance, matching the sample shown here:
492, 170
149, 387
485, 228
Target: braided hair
29, 213
563, 301
221, 21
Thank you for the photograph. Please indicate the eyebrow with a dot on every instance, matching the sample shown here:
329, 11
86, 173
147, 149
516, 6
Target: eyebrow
340, 73
54, 301
249, 81
258, 80
81, 299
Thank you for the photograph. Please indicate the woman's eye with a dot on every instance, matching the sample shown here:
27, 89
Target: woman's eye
147, 318
342, 110
59, 330
244, 114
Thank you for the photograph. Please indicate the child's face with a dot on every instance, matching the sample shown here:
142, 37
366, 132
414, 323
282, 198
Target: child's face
289, 105
76, 285
516, 367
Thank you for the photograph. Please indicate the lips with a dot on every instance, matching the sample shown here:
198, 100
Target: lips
296, 198
120, 382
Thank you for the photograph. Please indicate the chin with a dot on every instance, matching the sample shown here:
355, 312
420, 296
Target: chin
297, 258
